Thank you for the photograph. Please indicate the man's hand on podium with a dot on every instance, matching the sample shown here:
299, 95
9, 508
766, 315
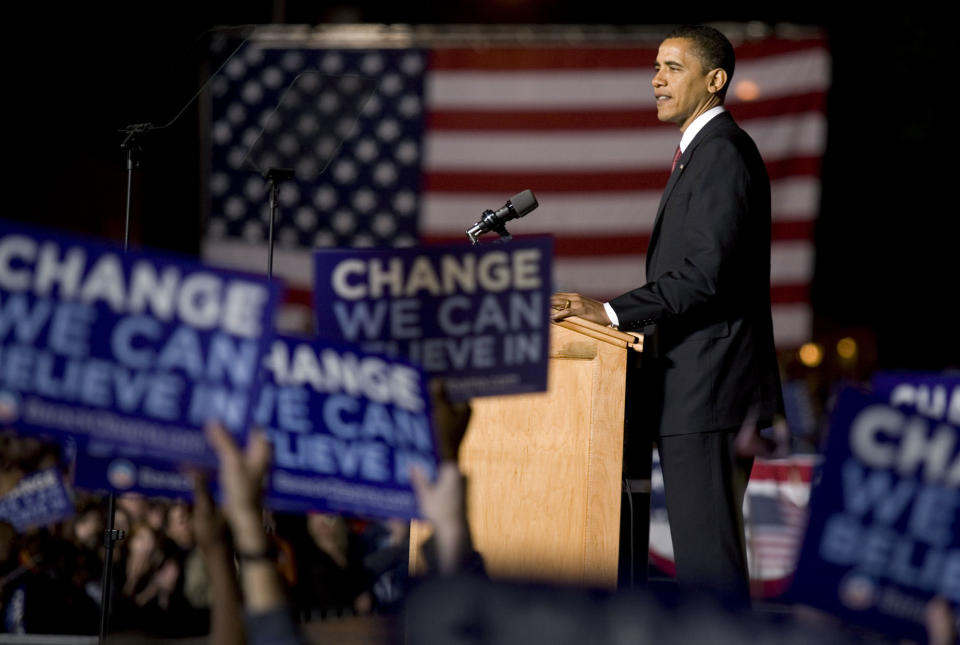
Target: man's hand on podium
564, 305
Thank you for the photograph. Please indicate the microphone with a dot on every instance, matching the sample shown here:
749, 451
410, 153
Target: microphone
516, 207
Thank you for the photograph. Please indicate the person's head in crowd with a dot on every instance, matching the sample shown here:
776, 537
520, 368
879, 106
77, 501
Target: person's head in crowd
18, 456
144, 551
178, 527
134, 504
329, 532
142, 539
88, 526
156, 513
122, 520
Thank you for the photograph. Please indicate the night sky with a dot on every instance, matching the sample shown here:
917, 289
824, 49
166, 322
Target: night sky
887, 253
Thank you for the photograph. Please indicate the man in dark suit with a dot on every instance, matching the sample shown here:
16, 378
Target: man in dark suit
709, 361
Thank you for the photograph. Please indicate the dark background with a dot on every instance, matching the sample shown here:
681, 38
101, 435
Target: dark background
887, 254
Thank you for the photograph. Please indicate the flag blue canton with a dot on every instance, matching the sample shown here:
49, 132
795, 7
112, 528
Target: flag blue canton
350, 124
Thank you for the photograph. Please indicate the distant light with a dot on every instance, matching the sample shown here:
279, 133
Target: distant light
811, 354
746, 90
846, 348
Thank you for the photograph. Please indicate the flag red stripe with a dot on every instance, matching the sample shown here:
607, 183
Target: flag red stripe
588, 56
792, 229
791, 472
540, 58
763, 48
579, 181
541, 119
587, 245
779, 106
604, 119
297, 296
786, 294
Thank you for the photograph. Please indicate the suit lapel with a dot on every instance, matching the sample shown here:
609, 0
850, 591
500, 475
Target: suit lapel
675, 177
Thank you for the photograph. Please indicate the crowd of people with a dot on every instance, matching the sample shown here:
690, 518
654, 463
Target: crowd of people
160, 579
242, 574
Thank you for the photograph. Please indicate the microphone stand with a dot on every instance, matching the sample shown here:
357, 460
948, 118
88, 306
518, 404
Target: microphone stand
111, 535
274, 176
132, 145
489, 222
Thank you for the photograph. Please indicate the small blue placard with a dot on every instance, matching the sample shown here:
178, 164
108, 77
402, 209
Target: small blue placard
136, 349
476, 315
100, 467
38, 499
883, 536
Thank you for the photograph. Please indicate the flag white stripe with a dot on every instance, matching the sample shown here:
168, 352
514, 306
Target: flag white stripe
780, 554
552, 89
792, 261
606, 150
292, 265
450, 214
798, 493
589, 150
777, 555
795, 198
627, 212
794, 73
772, 561
792, 324
783, 75
788, 136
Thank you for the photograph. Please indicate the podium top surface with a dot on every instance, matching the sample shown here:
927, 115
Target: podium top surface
602, 332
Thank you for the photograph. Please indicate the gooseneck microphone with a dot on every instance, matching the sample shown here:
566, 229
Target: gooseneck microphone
516, 207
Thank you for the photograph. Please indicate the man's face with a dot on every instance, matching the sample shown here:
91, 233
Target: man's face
681, 86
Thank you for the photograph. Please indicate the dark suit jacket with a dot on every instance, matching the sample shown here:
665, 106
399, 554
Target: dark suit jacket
709, 355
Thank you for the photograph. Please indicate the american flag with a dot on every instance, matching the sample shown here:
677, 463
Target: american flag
775, 517
451, 130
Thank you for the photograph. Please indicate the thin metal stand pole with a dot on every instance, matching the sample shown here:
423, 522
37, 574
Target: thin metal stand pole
274, 176
274, 190
110, 536
126, 224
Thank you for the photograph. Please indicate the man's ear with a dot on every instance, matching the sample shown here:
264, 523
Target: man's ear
716, 80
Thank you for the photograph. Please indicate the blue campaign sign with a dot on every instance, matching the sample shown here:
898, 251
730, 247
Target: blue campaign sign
934, 394
102, 468
476, 315
138, 349
346, 427
883, 536
36, 500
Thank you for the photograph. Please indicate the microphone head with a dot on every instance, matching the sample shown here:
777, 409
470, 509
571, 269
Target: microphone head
523, 202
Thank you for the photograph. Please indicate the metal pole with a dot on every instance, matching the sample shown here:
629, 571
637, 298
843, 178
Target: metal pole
110, 535
126, 225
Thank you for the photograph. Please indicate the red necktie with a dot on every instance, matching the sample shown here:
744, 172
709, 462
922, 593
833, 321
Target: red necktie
676, 158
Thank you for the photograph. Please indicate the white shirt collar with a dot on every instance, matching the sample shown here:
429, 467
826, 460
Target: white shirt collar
697, 125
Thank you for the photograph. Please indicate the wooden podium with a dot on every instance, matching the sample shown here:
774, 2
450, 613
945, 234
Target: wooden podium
544, 470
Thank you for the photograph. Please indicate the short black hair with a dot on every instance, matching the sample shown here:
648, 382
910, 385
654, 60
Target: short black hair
711, 47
